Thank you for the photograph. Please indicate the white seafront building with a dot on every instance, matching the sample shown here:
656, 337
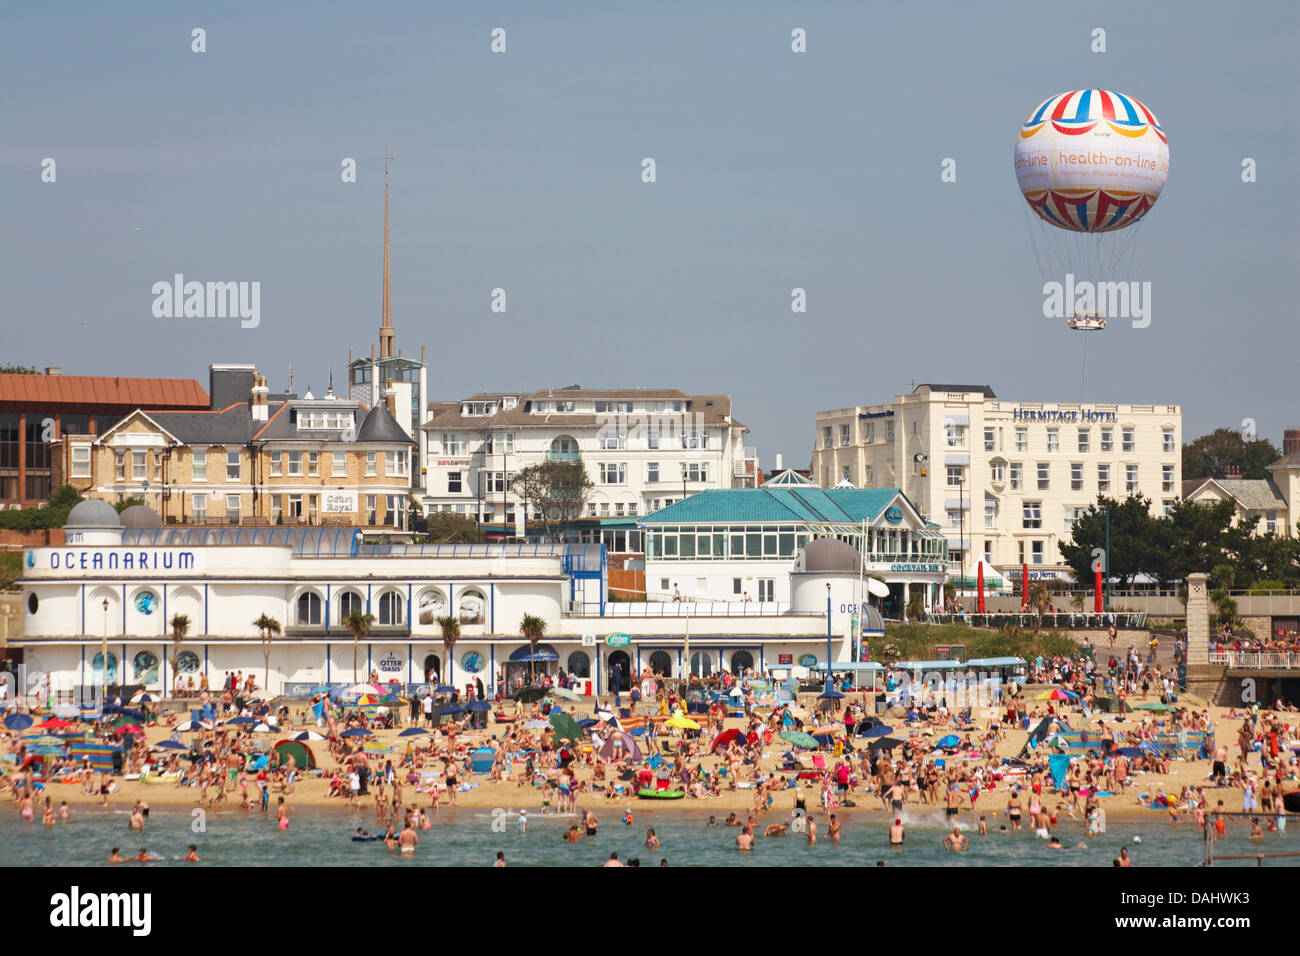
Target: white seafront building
120, 588
1004, 479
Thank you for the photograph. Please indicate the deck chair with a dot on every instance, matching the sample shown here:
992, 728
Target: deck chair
819, 762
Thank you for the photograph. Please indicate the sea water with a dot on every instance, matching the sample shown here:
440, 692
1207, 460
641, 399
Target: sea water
472, 837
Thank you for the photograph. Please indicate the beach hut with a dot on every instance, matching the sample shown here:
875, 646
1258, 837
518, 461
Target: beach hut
300, 752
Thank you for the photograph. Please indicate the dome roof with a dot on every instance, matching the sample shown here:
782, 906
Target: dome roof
823, 555
140, 516
93, 513
379, 425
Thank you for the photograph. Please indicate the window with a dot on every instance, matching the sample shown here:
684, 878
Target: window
652, 439
735, 586
1076, 476
336, 421
652, 471
80, 461
339, 466
591, 509
454, 482
139, 465
631, 509
1053, 440
396, 464
1083, 441
1167, 441
1107, 439
277, 464
604, 509
844, 434
613, 474
767, 589
1131, 479
309, 609
694, 439
604, 407
998, 471
955, 518
350, 603
990, 514
390, 608
988, 551
846, 475
199, 508
611, 440
199, 465
232, 509
1169, 510
826, 437
889, 431
1032, 514
370, 509
313, 463
956, 436
1166, 477
372, 463
1022, 439
120, 467
1036, 552
696, 471
866, 481
500, 443
1129, 443
232, 464
295, 464
989, 440
453, 444
619, 509
277, 508
1270, 521
955, 475
1044, 476
1015, 476
1103, 478
1072, 514
496, 481
870, 435
1020, 547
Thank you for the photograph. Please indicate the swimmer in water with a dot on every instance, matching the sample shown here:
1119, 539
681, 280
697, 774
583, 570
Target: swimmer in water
896, 833
834, 830
281, 815
407, 841
651, 841
776, 829
955, 842
115, 856
144, 857
193, 855
136, 822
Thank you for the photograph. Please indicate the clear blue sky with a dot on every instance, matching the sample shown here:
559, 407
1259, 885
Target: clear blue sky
522, 171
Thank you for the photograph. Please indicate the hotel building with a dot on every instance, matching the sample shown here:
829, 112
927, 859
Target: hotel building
1005, 480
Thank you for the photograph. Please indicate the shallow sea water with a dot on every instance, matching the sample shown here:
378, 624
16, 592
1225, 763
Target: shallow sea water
322, 837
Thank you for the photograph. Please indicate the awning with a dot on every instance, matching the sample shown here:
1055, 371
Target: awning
957, 504
525, 654
996, 662
956, 420
957, 458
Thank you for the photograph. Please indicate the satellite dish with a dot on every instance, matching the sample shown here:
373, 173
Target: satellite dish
878, 588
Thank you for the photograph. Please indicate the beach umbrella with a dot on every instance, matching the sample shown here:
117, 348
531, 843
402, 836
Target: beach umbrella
537, 725
1129, 752
455, 710
566, 728
240, 721
56, 723
188, 726
589, 722
356, 732
528, 695
129, 729
827, 730
1148, 747
412, 732
879, 730
684, 723
66, 710
142, 697
566, 693
950, 740
1057, 693
18, 721
444, 689
885, 743
1156, 706
358, 689
169, 745
307, 735
263, 729
831, 694
799, 739
479, 705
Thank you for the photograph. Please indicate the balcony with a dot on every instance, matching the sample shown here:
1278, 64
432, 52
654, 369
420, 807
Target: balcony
564, 456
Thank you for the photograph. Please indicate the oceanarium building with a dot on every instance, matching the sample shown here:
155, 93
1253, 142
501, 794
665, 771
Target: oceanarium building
112, 593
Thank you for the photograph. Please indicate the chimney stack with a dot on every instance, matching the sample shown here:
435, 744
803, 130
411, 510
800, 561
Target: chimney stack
257, 404
53, 370
1233, 471
778, 461
1290, 441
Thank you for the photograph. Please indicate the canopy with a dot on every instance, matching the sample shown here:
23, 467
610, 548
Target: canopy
300, 752
996, 662
525, 654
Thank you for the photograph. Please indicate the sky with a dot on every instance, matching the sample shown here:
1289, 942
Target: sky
522, 171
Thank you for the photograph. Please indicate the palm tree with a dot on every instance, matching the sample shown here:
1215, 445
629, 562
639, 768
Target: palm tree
533, 628
180, 626
267, 627
450, 635
359, 624
1040, 601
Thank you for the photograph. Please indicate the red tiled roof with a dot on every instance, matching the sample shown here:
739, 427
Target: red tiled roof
160, 393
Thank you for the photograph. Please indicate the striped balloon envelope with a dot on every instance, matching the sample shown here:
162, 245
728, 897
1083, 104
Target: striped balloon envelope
1091, 160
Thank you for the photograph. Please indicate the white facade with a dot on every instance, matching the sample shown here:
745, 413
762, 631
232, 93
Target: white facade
642, 450
1005, 480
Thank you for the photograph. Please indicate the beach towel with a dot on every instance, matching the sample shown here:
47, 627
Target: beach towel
1058, 764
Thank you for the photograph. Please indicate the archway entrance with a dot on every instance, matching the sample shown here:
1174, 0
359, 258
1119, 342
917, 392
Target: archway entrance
620, 670
661, 663
741, 660
432, 668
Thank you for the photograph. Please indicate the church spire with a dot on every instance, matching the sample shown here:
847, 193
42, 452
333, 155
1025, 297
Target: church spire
386, 333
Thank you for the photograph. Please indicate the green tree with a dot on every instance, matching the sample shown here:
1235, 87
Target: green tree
532, 628
11, 568
53, 515
1039, 601
447, 527
18, 370
554, 491
1211, 455
267, 627
1136, 540
450, 627
358, 626
128, 502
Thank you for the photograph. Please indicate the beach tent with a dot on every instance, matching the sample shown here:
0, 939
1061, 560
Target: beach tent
1057, 765
726, 737
630, 751
481, 760
301, 753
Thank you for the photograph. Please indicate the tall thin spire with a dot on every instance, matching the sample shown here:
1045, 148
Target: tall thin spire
386, 333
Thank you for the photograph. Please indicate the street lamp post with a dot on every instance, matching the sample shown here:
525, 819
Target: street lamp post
1105, 581
103, 659
829, 686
